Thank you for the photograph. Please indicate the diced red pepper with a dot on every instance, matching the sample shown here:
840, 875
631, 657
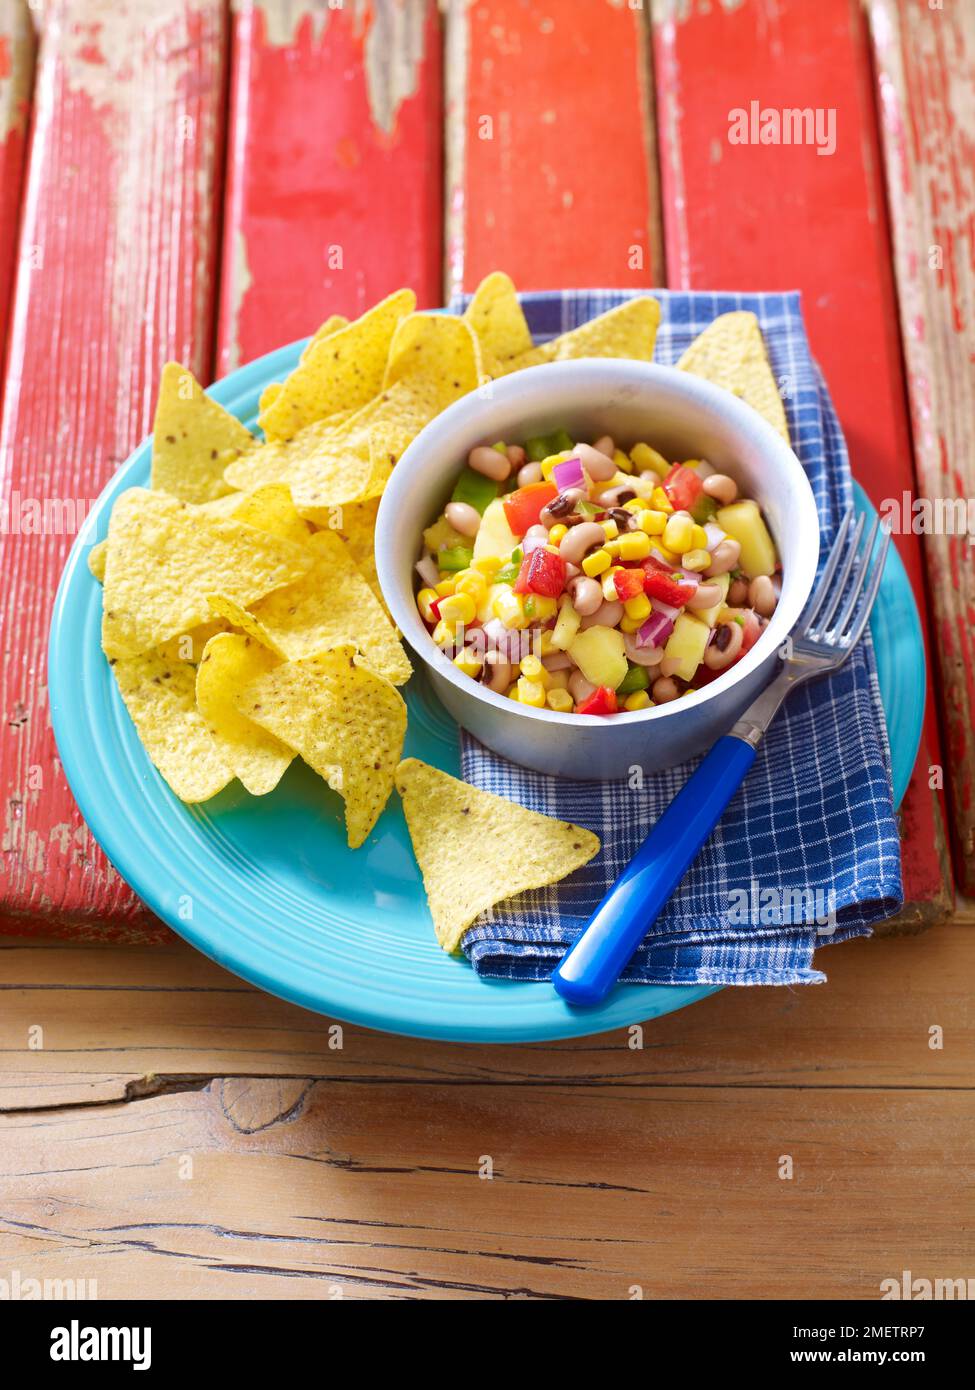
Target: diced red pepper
683, 487
657, 584
541, 573
751, 631
601, 701
523, 506
628, 582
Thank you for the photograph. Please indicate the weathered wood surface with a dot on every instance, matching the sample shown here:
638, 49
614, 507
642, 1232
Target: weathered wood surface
782, 216
115, 275
334, 172
925, 58
359, 1173
551, 164
16, 80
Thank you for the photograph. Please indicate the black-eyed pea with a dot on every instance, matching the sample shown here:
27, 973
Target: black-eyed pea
737, 593
705, 596
463, 518
490, 462
600, 467
529, 473
608, 614
579, 688
604, 445
664, 690
723, 489
724, 646
586, 594
762, 596
516, 455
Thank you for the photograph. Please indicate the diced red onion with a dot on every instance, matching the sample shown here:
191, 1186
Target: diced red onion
655, 630
714, 534
667, 609
567, 474
426, 568
495, 632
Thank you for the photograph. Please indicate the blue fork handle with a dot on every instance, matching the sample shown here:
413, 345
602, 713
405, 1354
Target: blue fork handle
590, 968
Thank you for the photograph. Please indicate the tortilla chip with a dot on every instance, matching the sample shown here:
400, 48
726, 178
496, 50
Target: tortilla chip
239, 617
629, 330
331, 325
341, 372
357, 527
324, 465
189, 646
230, 663
731, 352
475, 849
165, 556
330, 606
160, 696
497, 318
193, 439
97, 558
344, 720
271, 509
267, 398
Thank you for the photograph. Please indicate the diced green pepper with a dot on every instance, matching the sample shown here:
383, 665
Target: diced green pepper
537, 448
474, 489
635, 679
508, 573
704, 509
588, 508
560, 442
455, 557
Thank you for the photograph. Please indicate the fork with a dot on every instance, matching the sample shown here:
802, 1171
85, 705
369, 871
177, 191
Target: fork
827, 631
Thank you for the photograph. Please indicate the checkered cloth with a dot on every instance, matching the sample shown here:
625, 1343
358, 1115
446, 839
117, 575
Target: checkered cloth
807, 852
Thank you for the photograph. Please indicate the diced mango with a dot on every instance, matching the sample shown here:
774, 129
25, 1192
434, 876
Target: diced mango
710, 615
599, 654
744, 523
686, 644
494, 536
566, 627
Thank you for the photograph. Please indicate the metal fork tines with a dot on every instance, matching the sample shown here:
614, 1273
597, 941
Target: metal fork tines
839, 608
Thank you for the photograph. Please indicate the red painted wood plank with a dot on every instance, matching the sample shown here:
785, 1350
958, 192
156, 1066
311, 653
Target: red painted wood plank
115, 276
776, 216
551, 171
16, 80
925, 59
334, 171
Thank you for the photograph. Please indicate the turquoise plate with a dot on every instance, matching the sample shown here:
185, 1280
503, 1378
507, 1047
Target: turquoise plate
267, 887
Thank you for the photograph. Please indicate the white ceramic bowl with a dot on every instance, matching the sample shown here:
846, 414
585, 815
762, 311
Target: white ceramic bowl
683, 417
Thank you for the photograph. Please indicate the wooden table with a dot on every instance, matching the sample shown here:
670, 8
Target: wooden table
205, 181
173, 1133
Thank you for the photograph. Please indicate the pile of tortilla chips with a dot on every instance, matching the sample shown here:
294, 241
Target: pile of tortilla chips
242, 615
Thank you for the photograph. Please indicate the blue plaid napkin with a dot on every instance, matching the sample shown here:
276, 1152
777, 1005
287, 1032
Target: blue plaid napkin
808, 851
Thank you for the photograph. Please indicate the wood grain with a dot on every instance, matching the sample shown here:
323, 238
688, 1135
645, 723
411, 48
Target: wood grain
334, 174
926, 79
778, 216
16, 82
322, 1190
115, 276
153, 1016
551, 161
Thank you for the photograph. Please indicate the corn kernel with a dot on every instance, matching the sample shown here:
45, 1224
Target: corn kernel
558, 680
638, 700
559, 700
458, 608
467, 662
531, 692
609, 585
630, 624
695, 560
596, 563
638, 607
651, 522
668, 556
612, 548
488, 565
445, 588
443, 633
610, 529
471, 582
661, 501
423, 601
624, 463
644, 457
556, 533
699, 538
635, 545
677, 533
635, 505
512, 691
509, 608
534, 670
